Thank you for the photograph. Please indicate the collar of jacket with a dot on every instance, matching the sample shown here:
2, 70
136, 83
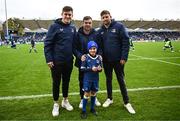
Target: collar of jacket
59, 21
111, 24
82, 32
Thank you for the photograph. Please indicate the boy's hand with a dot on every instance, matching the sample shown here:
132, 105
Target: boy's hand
94, 68
99, 68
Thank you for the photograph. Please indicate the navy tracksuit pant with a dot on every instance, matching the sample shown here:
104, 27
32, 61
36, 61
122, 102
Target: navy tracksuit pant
119, 71
61, 70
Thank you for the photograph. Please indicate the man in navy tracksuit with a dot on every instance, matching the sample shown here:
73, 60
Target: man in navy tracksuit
115, 46
84, 35
58, 50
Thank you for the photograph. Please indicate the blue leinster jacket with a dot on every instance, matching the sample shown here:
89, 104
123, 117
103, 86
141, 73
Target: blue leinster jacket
80, 45
114, 41
58, 44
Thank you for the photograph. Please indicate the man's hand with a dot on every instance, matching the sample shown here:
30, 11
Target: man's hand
50, 64
122, 62
83, 57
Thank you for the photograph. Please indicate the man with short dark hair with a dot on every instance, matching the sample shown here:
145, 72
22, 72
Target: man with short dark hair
58, 50
84, 35
115, 46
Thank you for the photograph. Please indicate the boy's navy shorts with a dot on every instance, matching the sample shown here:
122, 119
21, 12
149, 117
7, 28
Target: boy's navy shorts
90, 85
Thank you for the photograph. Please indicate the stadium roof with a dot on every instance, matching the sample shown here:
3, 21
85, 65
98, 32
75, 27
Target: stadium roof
170, 24
131, 25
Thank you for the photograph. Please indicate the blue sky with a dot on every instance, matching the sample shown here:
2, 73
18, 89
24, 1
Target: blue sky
120, 9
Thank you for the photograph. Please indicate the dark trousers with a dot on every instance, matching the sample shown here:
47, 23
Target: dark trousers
81, 76
119, 71
61, 70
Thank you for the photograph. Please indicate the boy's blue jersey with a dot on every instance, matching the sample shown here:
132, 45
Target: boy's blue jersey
87, 65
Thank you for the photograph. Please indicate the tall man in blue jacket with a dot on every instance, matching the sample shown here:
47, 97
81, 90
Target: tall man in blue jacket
115, 46
84, 35
58, 50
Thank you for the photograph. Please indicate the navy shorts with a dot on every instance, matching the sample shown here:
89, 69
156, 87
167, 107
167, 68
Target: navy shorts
90, 85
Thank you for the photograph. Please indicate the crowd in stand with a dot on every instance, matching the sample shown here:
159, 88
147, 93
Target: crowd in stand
25, 39
154, 36
135, 36
39, 37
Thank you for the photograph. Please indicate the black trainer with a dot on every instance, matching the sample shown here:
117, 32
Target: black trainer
83, 115
93, 111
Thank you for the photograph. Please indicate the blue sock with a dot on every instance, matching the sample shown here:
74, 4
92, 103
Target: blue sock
84, 104
93, 98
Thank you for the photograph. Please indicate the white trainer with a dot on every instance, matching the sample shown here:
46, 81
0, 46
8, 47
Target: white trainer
55, 111
97, 102
65, 104
129, 108
81, 104
107, 103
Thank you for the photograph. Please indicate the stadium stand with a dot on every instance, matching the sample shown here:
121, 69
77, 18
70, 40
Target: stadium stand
157, 24
139, 30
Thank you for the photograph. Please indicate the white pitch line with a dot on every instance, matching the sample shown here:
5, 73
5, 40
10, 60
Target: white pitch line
140, 58
77, 93
156, 60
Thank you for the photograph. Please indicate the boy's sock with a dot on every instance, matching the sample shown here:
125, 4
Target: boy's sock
93, 98
85, 99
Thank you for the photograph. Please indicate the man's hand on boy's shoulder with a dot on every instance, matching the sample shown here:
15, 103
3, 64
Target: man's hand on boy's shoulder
83, 57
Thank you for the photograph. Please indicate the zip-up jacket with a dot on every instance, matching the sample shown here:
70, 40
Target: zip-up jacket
114, 41
80, 46
58, 45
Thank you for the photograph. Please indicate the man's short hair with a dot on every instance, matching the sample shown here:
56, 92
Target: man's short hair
87, 18
105, 12
67, 9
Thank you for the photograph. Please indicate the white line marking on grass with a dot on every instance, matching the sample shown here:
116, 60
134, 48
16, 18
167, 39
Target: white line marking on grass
156, 60
77, 93
140, 58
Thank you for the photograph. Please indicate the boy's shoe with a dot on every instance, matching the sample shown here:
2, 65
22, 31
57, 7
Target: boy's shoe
129, 108
97, 103
83, 115
107, 103
93, 111
55, 111
81, 104
65, 104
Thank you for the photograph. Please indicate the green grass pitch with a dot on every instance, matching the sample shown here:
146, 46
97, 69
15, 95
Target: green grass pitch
23, 74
